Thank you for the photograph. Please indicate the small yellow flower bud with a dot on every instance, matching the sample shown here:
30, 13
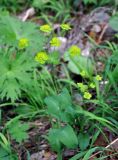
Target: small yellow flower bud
74, 51
46, 28
41, 57
98, 78
65, 27
92, 85
55, 42
23, 43
83, 73
82, 87
87, 95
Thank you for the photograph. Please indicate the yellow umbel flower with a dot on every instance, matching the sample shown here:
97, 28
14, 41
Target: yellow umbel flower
74, 51
46, 28
55, 42
23, 43
82, 87
65, 27
92, 85
41, 57
87, 95
83, 73
98, 78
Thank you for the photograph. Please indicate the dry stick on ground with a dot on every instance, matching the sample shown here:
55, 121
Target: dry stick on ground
28, 13
102, 33
113, 145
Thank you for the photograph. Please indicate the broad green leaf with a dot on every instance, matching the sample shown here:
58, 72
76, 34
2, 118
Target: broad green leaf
64, 135
64, 99
52, 105
60, 106
4, 155
53, 138
68, 137
73, 68
83, 140
114, 22
81, 63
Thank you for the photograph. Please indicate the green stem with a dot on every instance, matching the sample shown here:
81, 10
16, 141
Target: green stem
59, 156
10, 104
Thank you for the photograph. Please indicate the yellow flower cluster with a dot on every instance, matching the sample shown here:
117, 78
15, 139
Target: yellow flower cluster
82, 87
87, 95
41, 57
46, 28
84, 90
92, 85
98, 78
55, 42
23, 43
65, 27
74, 51
83, 73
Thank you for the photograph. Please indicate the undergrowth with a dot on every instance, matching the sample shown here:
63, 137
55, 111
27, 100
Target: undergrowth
30, 87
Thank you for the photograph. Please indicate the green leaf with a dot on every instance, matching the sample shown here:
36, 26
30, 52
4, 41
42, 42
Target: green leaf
78, 155
18, 130
54, 58
60, 106
4, 143
115, 73
90, 2
114, 22
104, 2
40, 3
68, 137
3, 153
92, 116
24, 109
88, 154
6, 150
64, 99
53, 105
16, 74
59, 102
81, 63
64, 135
53, 138
12, 30
83, 139
73, 68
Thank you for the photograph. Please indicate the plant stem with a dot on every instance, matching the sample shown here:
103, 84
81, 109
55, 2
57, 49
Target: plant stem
59, 156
